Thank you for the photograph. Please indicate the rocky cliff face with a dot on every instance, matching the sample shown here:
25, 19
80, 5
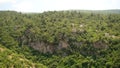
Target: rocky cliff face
100, 45
51, 48
48, 48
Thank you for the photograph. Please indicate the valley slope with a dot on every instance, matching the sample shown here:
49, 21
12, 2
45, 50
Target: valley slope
60, 39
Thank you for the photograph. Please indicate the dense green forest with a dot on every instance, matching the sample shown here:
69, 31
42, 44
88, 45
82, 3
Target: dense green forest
60, 39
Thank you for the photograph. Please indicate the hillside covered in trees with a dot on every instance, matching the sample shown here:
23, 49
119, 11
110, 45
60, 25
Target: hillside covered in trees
60, 39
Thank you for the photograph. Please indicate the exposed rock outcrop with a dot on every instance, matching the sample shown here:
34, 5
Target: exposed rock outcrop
48, 48
42, 47
100, 45
62, 44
